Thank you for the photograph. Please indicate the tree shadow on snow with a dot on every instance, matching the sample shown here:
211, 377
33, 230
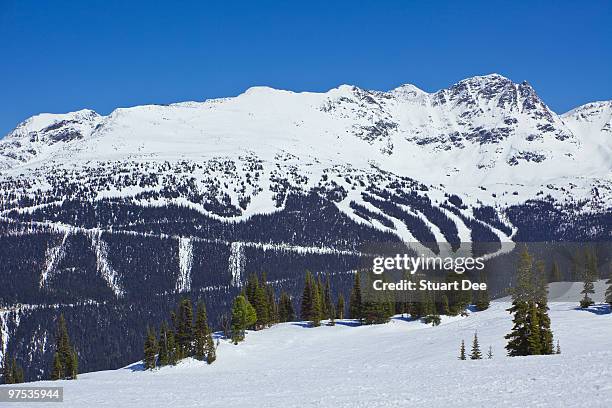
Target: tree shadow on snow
135, 367
600, 309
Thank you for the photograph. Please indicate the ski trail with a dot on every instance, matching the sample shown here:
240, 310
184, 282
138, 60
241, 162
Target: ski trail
183, 283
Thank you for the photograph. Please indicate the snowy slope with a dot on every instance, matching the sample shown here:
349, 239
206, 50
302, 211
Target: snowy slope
485, 138
402, 363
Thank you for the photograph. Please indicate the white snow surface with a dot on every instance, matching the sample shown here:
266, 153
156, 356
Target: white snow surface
399, 364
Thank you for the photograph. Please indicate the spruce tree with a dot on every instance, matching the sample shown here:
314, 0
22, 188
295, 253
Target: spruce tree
462, 351
355, 300
173, 353
546, 334
534, 340
521, 297
163, 358
184, 329
316, 313
210, 350
285, 308
75, 364
490, 353
150, 350
64, 353
329, 309
243, 316
444, 306
57, 372
201, 331
558, 350
475, 354
589, 276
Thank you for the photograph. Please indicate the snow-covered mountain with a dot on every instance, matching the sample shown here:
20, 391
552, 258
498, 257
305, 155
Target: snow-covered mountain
485, 138
111, 219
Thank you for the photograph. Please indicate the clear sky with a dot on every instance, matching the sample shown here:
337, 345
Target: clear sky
59, 56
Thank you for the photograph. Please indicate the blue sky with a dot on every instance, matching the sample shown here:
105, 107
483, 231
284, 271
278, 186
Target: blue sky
59, 56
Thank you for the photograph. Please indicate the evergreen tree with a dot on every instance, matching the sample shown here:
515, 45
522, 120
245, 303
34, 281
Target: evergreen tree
183, 328
589, 276
546, 334
462, 351
321, 294
311, 302
531, 333
210, 350
173, 354
475, 354
521, 296
355, 300
534, 341
555, 273
490, 353
272, 306
558, 350
340, 307
164, 353
150, 350
64, 354
57, 371
243, 316
75, 364
201, 331
328, 308
285, 308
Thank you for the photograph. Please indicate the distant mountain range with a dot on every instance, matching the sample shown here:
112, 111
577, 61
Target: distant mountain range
112, 218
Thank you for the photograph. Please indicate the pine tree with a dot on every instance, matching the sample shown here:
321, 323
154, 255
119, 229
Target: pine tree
75, 364
462, 351
243, 316
183, 328
201, 331
64, 353
521, 297
355, 301
329, 309
311, 302
490, 353
164, 353
546, 334
150, 350
57, 372
475, 354
210, 350
173, 354
285, 308
589, 276
558, 350
534, 341
555, 272
340, 307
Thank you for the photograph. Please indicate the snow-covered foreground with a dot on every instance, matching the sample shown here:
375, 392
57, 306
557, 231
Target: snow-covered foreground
399, 364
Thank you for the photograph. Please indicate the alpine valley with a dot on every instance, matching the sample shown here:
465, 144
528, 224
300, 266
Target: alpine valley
111, 219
